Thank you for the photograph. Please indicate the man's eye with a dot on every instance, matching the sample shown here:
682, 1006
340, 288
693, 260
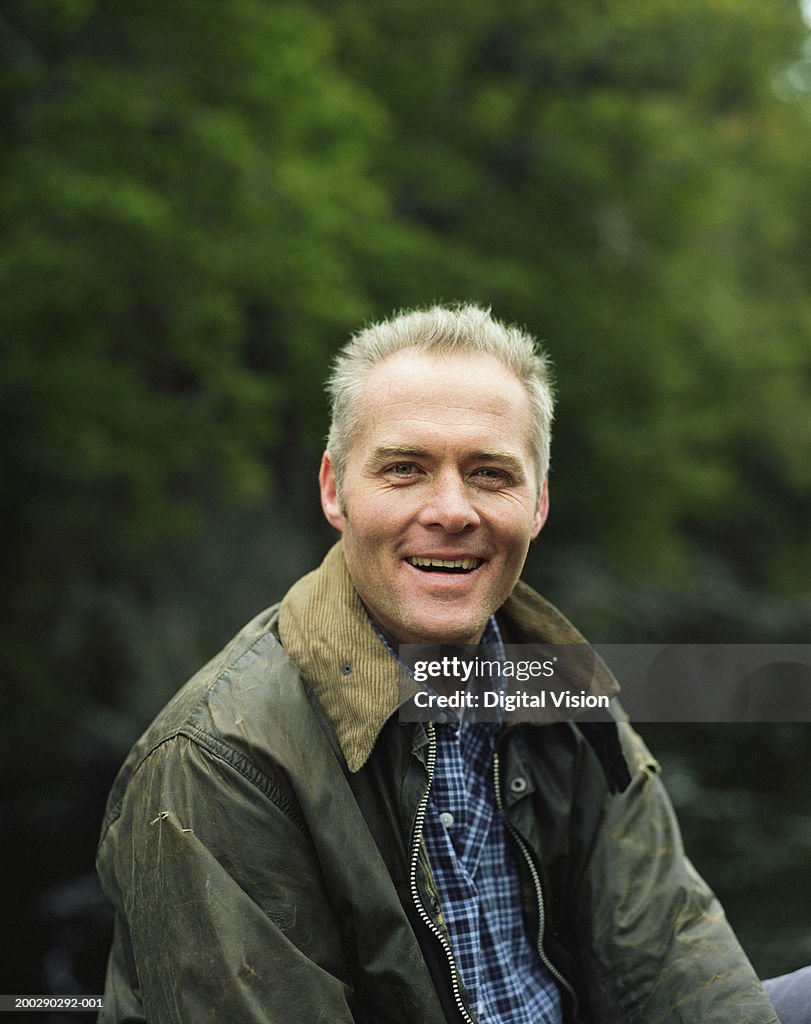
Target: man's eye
401, 469
490, 475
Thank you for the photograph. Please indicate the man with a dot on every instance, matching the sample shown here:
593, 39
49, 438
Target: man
279, 847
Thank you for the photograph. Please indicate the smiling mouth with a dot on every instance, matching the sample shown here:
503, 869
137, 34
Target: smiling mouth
452, 565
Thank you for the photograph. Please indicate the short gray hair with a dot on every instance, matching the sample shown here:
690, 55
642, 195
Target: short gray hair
438, 331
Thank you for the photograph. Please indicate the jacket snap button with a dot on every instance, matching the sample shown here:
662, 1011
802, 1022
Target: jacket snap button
518, 785
346, 668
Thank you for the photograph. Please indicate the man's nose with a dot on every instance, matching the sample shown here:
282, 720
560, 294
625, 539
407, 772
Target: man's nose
449, 505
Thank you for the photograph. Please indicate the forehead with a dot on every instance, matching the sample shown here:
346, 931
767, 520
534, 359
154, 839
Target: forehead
459, 398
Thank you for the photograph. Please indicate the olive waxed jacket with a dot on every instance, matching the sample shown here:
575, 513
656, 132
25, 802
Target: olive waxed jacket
262, 847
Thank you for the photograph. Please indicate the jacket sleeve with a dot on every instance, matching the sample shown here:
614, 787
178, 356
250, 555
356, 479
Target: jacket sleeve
221, 910
660, 948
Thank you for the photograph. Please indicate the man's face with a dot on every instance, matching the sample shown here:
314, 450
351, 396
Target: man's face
440, 471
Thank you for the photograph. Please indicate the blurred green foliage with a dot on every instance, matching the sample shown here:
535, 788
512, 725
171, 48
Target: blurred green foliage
200, 200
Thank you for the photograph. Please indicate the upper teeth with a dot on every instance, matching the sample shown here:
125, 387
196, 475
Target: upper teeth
446, 563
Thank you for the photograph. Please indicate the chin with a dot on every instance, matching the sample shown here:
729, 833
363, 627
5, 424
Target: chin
445, 633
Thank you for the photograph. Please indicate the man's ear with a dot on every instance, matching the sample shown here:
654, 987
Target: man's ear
542, 511
330, 501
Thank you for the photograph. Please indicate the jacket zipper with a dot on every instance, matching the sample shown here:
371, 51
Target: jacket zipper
419, 823
536, 879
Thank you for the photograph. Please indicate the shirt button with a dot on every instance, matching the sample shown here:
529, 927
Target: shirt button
518, 785
441, 718
446, 818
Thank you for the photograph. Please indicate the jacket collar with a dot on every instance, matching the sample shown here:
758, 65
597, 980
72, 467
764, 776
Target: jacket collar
326, 631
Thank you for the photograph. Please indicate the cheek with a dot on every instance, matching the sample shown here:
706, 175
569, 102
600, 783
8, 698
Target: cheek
367, 533
382, 515
519, 529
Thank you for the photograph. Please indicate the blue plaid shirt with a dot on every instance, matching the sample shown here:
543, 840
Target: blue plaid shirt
477, 877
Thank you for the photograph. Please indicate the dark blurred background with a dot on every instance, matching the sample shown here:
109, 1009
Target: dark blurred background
200, 200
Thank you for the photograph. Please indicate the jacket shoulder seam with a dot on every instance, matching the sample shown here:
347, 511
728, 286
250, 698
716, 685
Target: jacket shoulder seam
227, 754
243, 764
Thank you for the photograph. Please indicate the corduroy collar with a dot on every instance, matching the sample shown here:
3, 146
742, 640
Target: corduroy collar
326, 631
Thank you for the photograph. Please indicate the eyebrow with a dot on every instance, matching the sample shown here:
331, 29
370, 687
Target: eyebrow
384, 452
505, 458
